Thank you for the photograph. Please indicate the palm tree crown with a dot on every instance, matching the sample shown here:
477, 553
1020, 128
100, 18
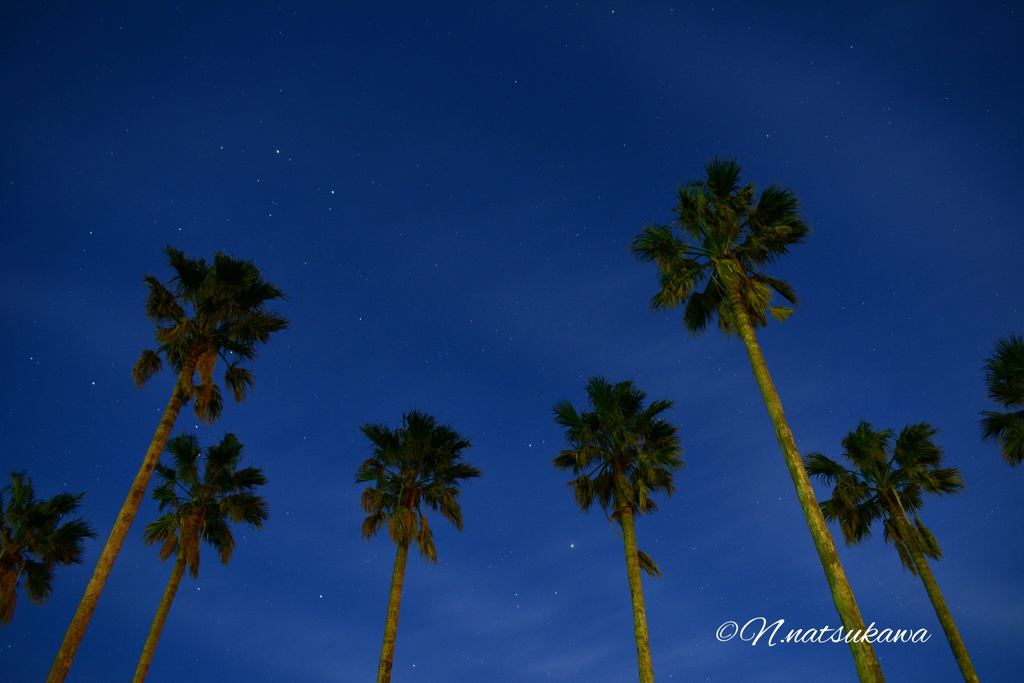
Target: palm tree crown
200, 508
33, 541
620, 451
414, 467
205, 313
1004, 374
889, 476
724, 239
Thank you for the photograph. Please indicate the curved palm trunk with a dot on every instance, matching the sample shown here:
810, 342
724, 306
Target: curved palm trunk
636, 591
942, 612
868, 668
387, 653
159, 620
80, 622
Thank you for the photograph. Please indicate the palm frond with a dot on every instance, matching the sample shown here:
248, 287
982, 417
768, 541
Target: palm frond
648, 565
702, 307
66, 542
239, 381
774, 226
1006, 429
784, 289
722, 178
893, 536
678, 273
927, 543
208, 403
190, 273
373, 523
425, 541
149, 364
1004, 372
584, 491
1004, 378
830, 471
161, 304
38, 577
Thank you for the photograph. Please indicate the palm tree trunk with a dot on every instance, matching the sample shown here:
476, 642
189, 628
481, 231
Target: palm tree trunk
636, 591
159, 620
942, 612
868, 668
80, 622
387, 653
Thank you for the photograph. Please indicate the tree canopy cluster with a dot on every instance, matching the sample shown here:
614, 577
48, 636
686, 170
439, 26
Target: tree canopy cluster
621, 451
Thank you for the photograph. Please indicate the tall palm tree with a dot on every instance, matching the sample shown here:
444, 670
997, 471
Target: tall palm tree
207, 312
415, 467
724, 238
622, 453
886, 483
199, 510
1004, 374
33, 541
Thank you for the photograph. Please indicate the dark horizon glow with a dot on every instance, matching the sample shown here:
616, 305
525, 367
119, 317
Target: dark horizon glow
447, 195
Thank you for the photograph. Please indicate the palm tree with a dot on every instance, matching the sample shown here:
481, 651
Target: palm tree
724, 239
622, 453
1004, 374
205, 313
199, 510
33, 541
414, 467
887, 482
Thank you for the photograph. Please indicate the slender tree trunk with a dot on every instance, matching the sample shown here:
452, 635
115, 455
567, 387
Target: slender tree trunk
387, 653
80, 622
159, 620
868, 668
941, 611
636, 591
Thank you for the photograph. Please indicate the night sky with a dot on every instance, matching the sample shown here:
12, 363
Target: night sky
447, 193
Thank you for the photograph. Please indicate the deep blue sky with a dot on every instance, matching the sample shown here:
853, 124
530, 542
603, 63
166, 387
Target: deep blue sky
447, 194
